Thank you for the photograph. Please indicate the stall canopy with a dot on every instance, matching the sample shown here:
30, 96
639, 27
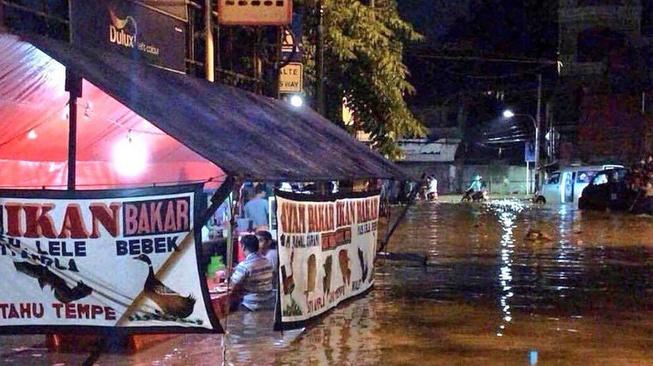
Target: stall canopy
140, 125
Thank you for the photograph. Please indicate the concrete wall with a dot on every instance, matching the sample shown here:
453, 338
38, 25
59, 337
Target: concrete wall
452, 178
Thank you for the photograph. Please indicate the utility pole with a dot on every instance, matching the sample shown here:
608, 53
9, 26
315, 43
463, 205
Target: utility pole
538, 124
209, 66
319, 59
2, 17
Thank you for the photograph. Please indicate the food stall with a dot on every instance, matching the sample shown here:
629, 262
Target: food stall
100, 139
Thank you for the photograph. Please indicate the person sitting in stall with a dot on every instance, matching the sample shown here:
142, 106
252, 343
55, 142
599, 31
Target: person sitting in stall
268, 248
257, 209
253, 278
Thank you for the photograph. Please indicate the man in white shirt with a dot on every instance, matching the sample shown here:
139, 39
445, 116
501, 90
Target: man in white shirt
268, 248
253, 277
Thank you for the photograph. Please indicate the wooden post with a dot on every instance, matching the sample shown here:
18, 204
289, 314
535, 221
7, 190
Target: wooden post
209, 66
234, 198
190, 39
277, 68
319, 59
2, 17
218, 59
74, 87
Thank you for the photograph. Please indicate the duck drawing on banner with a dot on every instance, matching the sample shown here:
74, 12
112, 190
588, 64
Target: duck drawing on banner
170, 302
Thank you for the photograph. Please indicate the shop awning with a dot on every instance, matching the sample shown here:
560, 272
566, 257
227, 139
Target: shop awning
189, 129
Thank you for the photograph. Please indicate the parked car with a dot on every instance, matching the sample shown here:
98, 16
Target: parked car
567, 184
607, 190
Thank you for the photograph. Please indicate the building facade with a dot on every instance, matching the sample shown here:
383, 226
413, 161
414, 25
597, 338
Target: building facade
603, 102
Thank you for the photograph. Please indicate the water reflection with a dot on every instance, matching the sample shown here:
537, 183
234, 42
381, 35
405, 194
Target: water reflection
507, 220
581, 296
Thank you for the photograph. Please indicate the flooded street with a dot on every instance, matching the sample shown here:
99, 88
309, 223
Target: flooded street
580, 293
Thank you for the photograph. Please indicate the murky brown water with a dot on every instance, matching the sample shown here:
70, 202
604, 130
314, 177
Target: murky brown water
487, 297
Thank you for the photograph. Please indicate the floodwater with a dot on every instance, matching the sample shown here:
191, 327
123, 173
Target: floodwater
583, 295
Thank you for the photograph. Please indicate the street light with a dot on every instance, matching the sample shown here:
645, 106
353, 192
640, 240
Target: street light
510, 114
296, 101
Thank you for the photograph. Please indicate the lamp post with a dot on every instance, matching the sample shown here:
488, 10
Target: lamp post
536, 126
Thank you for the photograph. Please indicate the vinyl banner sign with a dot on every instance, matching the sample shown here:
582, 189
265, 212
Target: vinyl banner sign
98, 261
255, 12
133, 30
326, 252
175, 8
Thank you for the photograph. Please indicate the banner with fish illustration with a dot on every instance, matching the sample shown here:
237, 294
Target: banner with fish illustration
102, 261
326, 252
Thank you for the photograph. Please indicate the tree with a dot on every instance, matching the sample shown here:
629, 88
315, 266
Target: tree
363, 66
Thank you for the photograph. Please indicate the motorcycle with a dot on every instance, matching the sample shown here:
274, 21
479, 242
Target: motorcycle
471, 196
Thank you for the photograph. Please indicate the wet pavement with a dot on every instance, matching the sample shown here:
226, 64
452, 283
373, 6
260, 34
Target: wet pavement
506, 284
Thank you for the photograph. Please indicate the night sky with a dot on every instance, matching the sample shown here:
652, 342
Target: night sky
480, 28
487, 28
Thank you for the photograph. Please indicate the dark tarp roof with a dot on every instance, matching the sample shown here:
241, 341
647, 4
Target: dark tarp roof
245, 134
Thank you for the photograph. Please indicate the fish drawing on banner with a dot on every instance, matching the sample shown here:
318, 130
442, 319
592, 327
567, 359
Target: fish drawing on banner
343, 259
287, 279
310, 275
326, 280
170, 302
45, 277
361, 258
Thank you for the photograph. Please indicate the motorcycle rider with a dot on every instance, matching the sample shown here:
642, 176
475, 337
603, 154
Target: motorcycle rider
476, 189
477, 184
432, 188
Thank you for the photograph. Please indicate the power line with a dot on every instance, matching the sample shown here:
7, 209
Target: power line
500, 76
491, 59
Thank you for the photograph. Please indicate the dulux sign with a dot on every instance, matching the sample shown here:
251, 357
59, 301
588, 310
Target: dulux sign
131, 29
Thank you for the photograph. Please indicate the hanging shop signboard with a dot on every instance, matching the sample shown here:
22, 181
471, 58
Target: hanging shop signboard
98, 261
326, 252
291, 78
255, 12
177, 9
130, 29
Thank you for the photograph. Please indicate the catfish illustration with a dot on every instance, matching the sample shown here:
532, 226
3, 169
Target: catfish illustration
45, 277
287, 279
311, 272
343, 259
364, 268
326, 280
